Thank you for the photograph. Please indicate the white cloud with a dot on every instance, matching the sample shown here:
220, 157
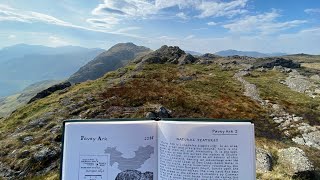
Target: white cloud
107, 22
98, 25
212, 23
127, 29
182, 15
312, 11
12, 36
262, 23
129, 8
189, 37
200, 29
57, 41
10, 14
217, 8
143, 9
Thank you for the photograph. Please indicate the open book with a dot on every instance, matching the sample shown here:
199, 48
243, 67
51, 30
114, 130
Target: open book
169, 149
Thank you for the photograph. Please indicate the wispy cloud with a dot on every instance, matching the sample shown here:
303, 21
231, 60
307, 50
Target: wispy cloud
12, 36
144, 9
189, 37
127, 29
182, 15
312, 11
10, 14
106, 22
98, 25
212, 23
265, 23
57, 41
218, 9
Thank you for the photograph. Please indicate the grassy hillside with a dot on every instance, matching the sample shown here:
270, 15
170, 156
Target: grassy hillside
193, 90
11, 103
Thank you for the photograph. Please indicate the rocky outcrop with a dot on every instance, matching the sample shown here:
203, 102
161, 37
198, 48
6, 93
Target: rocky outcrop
304, 134
134, 175
263, 161
302, 84
50, 90
296, 161
209, 56
167, 54
240, 57
250, 89
45, 154
311, 139
275, 61
159, 111
186, 59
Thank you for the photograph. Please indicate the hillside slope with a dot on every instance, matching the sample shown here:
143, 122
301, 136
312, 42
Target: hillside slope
30, 138
11, 103
117, 56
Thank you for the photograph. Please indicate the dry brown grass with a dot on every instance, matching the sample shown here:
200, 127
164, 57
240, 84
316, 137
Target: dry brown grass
311, 65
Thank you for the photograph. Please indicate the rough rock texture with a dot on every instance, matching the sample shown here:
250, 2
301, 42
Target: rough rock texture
50, 90
302, 84
297, 162
297, 82
116, 57
263, 160
250, 89
134, 175
240, 57
167, 54
315, 77
275, 61
159, 111
311, 139
209, 56
45, 153
307, 135
186, 59
6, 172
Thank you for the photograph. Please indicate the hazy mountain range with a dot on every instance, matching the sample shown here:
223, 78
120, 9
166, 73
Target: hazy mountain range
22, 65
232, 52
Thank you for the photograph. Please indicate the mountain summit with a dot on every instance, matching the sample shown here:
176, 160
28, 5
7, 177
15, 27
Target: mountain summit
167, 54
117, 56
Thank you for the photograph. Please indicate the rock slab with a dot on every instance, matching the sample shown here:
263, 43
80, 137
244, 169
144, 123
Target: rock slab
263, 161
297, 162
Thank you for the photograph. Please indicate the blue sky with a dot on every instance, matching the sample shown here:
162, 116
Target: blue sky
291, 26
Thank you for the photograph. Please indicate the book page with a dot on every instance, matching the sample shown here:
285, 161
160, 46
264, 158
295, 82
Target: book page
109, 150
206, 150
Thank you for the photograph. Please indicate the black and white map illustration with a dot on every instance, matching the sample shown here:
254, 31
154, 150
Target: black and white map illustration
129, 166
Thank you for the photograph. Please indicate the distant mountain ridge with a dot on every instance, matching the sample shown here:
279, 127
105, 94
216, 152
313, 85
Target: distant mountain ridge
117, 56
21, 50
22, 65
232, 52
194, 53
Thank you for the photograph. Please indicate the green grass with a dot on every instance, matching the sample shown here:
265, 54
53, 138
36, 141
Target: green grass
211, 93
294, 102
